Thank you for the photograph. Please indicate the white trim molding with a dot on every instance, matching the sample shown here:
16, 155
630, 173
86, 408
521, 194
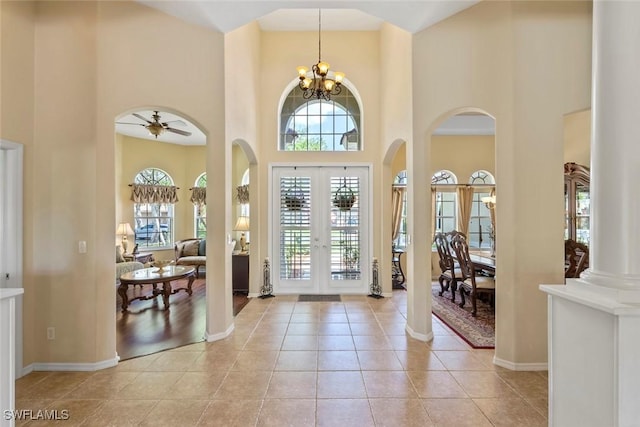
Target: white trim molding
421, 337
220, 336
85, 367
543, 366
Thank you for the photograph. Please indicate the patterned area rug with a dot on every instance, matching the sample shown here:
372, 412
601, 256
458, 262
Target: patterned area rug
478, 332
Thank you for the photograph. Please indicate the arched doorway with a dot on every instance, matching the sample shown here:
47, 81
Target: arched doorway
158, 149
462, 162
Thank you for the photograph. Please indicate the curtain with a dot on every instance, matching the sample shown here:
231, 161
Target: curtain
145, 193
465, 204
199, 196
492, 213
243, 194
397, 197
433, 213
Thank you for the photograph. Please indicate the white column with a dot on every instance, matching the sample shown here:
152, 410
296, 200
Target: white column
594, 321
615, 149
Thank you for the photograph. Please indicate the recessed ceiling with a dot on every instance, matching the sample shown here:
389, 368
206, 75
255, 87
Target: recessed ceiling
132, 126
227, 15
307, 19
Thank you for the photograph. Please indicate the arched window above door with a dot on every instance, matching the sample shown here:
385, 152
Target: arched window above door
320, 125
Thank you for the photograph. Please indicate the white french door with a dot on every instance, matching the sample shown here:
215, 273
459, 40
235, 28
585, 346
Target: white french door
320, 229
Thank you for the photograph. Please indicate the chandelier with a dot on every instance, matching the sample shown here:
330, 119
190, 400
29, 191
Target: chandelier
319, 86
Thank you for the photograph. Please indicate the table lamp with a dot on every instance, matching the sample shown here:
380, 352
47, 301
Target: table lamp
124, 230
242, 225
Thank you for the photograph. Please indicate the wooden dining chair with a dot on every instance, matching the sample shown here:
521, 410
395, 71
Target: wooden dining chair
450, 271
471, 283
576, 258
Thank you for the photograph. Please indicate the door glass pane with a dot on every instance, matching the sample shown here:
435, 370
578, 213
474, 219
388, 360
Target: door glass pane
345, 228
295, 231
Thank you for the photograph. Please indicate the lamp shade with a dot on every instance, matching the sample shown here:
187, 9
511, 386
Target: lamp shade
242, 224
124, 229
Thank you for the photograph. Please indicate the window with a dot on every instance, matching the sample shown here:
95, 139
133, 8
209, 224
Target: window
445, 200
200, 210
319, 125
153, 220
400, 181
244, 207
480, 222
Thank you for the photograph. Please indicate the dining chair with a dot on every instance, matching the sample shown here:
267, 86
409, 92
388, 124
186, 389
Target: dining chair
450, 271
576, 258
471, 283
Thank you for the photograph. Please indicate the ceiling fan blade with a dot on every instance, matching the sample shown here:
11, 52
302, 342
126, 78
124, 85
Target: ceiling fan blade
124, 123
175, 122
142, 118
178, 131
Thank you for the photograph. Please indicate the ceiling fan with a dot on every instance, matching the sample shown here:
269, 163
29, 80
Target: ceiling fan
156, 127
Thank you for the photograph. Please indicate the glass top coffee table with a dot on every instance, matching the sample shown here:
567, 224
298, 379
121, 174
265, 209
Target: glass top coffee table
155, 276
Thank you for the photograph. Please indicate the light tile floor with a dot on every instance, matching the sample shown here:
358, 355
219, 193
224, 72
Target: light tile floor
287, 363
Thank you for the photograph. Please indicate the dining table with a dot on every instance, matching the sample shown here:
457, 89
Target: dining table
484, 262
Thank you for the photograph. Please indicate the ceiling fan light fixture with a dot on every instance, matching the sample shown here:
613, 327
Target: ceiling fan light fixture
155, 129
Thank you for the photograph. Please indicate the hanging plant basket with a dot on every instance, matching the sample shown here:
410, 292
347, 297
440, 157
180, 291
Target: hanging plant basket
344, 198
294, 199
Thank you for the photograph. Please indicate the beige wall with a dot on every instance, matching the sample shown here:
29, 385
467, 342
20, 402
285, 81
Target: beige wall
17, 38
577, 137
91, 62
510, 60
463, 155
75, 67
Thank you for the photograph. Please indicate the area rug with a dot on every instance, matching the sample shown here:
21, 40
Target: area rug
478, 332
318, 298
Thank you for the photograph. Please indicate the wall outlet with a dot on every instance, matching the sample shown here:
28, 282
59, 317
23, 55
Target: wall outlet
82, 247
51, 333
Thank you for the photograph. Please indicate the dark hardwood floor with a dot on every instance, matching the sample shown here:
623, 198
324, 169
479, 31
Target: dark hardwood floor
147, 328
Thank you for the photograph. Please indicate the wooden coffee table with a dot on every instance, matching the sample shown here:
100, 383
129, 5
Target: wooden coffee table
153, 276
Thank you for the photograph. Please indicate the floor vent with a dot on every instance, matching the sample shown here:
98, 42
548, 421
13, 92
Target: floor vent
321, 298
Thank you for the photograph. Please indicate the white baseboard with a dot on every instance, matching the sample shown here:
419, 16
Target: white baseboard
220, 336
421, 337
520, 366
110, 363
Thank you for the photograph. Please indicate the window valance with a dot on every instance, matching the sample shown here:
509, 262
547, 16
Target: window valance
243, 194
199, 196
145, 193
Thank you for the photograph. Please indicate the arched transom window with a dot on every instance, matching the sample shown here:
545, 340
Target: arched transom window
319, 125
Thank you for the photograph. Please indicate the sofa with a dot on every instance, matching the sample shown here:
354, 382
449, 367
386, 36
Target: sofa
124, 266
191, 252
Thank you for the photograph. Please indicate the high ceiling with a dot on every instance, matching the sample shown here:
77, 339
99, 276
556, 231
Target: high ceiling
299, 15
302, 15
